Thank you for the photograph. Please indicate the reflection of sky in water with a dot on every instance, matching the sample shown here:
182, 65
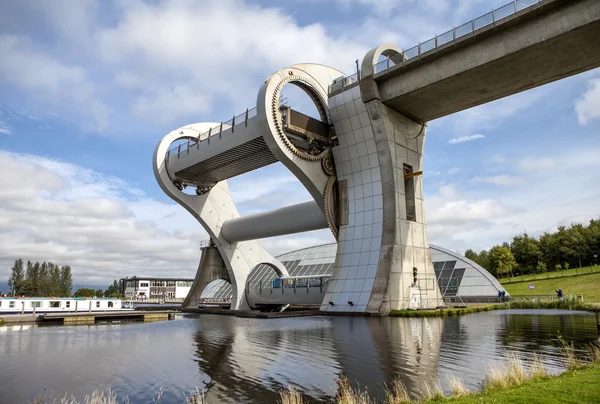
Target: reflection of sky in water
249, 360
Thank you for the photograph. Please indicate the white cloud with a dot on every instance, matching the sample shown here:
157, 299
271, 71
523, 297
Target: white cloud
460, 216
537, 164
454, 170
463, 139
187, 55
587, 106
96, 223
47, 79
499, 180
106, 229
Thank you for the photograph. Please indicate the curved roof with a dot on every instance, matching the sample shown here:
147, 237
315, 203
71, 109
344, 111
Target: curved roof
465, 277
475, 265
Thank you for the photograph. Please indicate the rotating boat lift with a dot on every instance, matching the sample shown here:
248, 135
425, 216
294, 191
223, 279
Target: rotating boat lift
315, 151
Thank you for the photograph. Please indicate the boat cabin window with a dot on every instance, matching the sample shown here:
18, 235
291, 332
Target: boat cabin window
97, 304
55, 305
11, 305
68, 304
110, 304
36, 304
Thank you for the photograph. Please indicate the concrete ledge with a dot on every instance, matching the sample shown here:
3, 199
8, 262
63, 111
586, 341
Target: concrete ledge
257, 314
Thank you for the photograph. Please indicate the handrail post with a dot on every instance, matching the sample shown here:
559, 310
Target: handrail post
515, 6
387, 63
188, 147
493, 17
473, 26
232, 123
246, 121
210, 132
220, 130
419, 49
178, 150
168, 155
454, 34
436, 43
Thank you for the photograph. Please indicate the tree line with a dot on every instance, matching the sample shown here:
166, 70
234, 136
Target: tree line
574, 246
113, 291
35, 279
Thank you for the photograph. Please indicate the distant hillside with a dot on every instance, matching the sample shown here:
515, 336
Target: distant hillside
586, 285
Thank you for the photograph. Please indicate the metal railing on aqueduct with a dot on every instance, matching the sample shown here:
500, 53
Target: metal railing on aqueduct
450, 36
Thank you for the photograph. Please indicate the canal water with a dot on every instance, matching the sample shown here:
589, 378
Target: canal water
238, 360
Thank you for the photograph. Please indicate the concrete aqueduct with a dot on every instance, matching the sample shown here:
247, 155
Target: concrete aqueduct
361, 160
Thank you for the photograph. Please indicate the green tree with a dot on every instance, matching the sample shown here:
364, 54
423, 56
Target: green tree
526, 251
43, 283
558, 267
17, 277
541, 267
566, 266
99, 293
113, 290
27, 288
472, 255
84, 292
66, 281
33, 276
484, 260
502, 260
54, 284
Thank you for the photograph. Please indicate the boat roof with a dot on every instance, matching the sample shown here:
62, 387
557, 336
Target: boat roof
59, 298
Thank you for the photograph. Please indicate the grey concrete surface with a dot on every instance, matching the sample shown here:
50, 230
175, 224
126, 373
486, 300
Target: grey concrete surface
556, 39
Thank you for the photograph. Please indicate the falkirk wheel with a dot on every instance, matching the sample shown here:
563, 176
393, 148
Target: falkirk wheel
360, 161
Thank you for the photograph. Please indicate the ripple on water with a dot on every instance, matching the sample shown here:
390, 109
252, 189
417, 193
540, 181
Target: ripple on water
250, 360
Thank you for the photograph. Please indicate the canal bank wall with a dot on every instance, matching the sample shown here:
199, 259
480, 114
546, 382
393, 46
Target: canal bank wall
82, 318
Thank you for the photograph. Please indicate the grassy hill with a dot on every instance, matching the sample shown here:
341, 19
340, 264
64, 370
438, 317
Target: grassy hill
553, 274
586, 285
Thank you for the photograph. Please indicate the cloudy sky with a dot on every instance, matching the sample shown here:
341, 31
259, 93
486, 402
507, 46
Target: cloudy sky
88, 88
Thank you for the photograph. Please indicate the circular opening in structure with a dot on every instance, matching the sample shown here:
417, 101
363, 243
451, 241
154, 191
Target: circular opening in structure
218, 292
297, 98
262, 277
304, 118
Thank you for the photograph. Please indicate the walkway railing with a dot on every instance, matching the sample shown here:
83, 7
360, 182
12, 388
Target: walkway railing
240, 119
450, 36
216, 130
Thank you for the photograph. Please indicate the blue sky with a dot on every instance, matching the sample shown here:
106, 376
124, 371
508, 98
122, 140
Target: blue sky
88, 88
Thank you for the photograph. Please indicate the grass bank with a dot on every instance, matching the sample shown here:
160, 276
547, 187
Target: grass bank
443, 312
586, 285
552, 274
576, 386
565, 304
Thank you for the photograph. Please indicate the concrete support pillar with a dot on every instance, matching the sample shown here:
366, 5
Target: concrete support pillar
404, 242
210, 269
385, 238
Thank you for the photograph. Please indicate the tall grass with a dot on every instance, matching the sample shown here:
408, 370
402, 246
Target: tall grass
396, 393
98, 396
430, 392
290, 396
456, 386
108, 396
537, 369
514, 373
348, 395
